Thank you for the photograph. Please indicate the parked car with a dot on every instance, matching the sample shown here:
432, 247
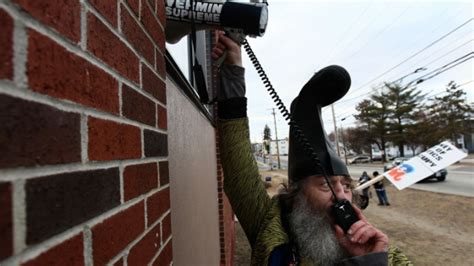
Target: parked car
440, 175
360, 159
376, 157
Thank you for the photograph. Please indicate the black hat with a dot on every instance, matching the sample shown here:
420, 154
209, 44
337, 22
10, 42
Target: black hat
324, 88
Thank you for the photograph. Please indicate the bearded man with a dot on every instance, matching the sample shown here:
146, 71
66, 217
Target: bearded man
296, 227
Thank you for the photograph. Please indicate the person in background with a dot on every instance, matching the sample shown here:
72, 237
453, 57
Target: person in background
364, 200
362, 179
380, 190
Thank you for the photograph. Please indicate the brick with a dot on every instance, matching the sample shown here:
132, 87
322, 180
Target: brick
162, 118
135, 35
153, 84
6, 226
145, 249
139, 179
115, 233
112, 141
6, 46
166, 228
160, 63
69, 252
158, 204
135, 6
62, 15
37, 134
160, 12
152, 5
108, 8
166, 255
120, 262
54, 71
164, 173
156, 144
109, 48
137, 107
152, 25
58, 202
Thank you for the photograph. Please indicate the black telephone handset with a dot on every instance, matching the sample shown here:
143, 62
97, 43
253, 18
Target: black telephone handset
342, 210
344, 214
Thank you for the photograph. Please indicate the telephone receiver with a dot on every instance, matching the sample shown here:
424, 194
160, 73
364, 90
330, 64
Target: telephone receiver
344, 214
184, 16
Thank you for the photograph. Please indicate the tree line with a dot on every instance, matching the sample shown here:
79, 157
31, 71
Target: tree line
403, 115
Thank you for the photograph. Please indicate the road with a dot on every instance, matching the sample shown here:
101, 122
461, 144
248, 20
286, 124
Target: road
460, 179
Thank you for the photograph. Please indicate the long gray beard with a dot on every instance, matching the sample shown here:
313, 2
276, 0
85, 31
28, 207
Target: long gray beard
315, 236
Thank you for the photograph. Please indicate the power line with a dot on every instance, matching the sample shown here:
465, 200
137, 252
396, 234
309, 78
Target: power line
442, 21
429, 95
444, 68
378, 34
382, 86
415, 54
465, 83
351, 25
449, 52
429, 75
435, 52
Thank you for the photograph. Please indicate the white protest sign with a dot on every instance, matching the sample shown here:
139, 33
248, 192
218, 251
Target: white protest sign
424, 165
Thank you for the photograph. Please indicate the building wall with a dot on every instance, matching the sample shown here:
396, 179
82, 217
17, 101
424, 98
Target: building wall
193, 179
282, 147
84, 167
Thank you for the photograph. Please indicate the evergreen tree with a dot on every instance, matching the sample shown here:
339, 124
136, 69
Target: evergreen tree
420, 134
373, 116
447, 114
403, 103
267, 137
267, 134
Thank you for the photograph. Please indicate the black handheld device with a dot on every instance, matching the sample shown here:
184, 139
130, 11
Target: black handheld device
344, 214
342, 210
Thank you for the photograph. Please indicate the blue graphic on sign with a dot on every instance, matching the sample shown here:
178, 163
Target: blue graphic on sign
407, 168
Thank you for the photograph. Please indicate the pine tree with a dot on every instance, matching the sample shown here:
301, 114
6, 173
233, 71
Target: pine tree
447, 114
403, 103
373, 116
267, 137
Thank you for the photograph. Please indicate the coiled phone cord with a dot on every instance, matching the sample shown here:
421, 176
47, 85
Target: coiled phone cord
298, 133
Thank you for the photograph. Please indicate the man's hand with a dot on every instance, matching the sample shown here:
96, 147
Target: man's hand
223, 44
362, 238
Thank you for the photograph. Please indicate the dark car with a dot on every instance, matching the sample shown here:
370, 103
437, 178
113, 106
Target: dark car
440, 175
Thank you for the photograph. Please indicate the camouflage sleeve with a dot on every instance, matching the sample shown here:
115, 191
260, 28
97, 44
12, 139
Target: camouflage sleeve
242, 184
396, 257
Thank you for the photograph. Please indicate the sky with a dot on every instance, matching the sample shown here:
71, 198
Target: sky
375, 41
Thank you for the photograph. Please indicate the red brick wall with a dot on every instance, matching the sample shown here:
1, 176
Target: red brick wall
226, 215
84, 173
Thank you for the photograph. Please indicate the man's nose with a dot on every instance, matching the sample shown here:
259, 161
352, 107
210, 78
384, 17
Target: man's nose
339, 190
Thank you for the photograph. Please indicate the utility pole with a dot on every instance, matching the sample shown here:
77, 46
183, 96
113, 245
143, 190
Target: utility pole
343, 141
335, 131
276, 136
343, 144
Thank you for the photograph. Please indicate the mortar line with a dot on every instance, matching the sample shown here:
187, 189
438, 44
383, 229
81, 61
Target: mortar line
12, 174
7, 88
